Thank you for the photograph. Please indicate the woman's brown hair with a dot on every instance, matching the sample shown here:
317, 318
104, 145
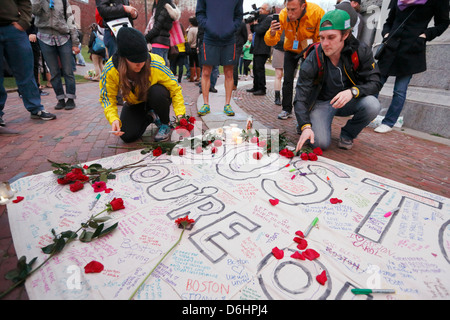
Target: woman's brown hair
139, 84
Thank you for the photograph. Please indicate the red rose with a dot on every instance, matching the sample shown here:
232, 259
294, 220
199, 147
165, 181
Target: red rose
115, 204
312, 156
77, 185
287, 153
318, 151
304, 156
214, 150
183, 122
93, 267
157, 152
99, 186
279, 254
322, 278
192, 120
18, 199
190, 127
257, 155
199, 149
184, 222
254, 140
63, 181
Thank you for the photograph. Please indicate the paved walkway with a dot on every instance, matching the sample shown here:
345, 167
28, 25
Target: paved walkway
81, 135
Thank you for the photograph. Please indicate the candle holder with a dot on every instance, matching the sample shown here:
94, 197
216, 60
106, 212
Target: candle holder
6, 192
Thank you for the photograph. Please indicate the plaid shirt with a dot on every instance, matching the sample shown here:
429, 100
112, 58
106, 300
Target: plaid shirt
53, 40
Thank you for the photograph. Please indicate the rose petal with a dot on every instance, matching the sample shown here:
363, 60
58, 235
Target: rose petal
335, 200
217, 143
274, 202
254, 140
302, 243
93, 267
311, 254
299, 233
257, 155
199, 149
322, 278
297, 255
18, 199
279, 254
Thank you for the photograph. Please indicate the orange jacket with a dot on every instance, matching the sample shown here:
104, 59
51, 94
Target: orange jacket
306, 29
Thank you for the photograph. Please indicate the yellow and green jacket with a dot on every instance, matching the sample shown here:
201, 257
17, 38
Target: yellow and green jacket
109, 87
305, 28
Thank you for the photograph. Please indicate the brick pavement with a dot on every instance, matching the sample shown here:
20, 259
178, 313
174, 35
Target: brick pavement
81, 135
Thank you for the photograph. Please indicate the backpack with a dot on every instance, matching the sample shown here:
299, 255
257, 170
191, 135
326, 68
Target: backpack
98, 46
315, 46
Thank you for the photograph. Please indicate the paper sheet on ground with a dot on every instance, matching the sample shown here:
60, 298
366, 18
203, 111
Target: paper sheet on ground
227, 254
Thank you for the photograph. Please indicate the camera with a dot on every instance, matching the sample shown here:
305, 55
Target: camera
252, 15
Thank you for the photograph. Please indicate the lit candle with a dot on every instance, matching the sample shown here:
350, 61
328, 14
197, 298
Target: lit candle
238, 140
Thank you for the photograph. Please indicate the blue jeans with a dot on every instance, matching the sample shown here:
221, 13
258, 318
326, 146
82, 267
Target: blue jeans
164, 53
53, 55
110, 43
398, 99
15, 47
364, 110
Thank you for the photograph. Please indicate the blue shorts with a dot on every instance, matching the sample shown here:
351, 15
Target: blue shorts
219, 55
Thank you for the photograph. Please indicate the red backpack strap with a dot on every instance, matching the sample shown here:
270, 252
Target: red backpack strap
355, 60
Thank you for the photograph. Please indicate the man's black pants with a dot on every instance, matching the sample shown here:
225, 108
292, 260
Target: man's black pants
290, 67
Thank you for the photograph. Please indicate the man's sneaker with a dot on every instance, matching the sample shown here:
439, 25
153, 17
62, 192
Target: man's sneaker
345, 143
228, 111
284, 115
204, 110
43, 115
60, 105
163, 133
383, 128
2, 122
70, 104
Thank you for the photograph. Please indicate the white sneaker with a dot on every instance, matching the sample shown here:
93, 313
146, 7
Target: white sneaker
383, 128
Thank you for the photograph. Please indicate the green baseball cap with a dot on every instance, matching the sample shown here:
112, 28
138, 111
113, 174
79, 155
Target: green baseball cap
339, 19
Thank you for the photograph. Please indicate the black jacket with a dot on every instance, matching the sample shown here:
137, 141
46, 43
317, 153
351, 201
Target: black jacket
161, 26
259, 30
366, 77
405, 52
112, 9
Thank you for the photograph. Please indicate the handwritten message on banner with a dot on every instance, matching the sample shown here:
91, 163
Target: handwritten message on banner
227, 254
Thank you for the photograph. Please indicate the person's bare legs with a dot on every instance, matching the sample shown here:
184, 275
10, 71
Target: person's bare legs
206, 82
229, 82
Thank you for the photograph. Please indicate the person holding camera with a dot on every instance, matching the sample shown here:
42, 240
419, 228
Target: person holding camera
300, 21
261, 51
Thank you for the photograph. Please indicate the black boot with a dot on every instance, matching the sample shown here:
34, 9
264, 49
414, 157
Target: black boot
277, 98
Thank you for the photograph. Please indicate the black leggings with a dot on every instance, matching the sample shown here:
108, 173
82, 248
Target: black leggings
135, 118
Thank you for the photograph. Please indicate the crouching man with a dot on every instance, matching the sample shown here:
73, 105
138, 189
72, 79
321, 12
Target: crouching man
338, 78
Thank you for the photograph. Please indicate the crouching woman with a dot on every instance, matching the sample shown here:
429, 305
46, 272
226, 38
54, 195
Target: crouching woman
147, 86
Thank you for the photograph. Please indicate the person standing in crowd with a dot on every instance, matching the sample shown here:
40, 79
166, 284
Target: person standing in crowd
220, 20
352, 7
180, 58
300, 21
147, 85
164, 14
241, 38
194, 66
111, 10
277, 64
339, 79
15, 18
405, 50
98, 57
32, 31
58, 38
261, 51
247, 55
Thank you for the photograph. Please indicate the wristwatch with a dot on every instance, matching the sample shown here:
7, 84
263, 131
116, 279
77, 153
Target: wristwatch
355, 92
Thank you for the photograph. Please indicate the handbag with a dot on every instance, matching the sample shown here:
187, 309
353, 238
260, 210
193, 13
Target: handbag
176, 34
98, 44
382, 47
